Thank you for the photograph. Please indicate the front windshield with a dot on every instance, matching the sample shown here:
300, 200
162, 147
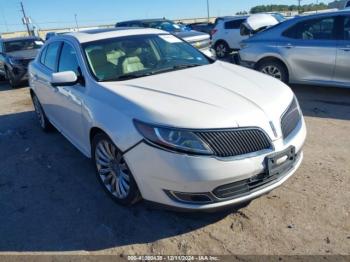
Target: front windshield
20, 45
124, 58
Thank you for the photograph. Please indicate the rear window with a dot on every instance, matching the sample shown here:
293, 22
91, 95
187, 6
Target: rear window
234, 24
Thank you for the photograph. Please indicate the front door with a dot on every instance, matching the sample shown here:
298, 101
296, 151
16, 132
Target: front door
71, 98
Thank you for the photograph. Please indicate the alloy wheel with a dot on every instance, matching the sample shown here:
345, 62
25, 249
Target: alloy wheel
272, 71
112, 169
221, 50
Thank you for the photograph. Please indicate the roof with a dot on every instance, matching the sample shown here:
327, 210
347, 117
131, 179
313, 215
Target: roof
18, 38
232, 17
98, 34
339, 12
144, 20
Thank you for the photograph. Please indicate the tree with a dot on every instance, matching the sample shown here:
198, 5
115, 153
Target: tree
286, 8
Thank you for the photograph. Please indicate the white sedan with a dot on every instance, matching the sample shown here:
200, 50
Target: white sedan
165, 123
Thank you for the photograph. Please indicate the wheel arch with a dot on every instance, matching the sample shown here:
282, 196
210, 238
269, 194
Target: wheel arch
94, 131
221, 41
273, 59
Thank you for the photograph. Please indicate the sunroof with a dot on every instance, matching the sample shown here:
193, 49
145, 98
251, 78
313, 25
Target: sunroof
105, 30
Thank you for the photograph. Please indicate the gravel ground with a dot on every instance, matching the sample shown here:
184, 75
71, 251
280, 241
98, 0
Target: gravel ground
50, 199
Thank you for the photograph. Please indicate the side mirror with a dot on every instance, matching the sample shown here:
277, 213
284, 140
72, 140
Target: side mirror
67, 78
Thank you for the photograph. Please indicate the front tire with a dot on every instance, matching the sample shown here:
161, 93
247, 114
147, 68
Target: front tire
12, 82
113, 172
275, 69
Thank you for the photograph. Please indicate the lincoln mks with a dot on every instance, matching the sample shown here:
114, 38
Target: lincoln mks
163, 122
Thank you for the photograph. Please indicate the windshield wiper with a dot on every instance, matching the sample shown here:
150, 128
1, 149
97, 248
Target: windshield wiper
163, 70
175, 67
132, 76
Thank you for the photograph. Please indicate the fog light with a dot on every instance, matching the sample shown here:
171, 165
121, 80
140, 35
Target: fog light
190, 198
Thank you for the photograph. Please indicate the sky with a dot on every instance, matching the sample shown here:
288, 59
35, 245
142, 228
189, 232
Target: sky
60, 13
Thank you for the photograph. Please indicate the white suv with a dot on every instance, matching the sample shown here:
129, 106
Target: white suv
226, 34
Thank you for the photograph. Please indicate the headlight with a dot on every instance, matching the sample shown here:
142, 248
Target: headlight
14, 61
171, 138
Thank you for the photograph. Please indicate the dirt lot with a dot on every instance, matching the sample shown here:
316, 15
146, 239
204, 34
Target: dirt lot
50, 199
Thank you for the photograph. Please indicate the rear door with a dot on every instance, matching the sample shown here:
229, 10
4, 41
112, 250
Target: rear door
232, 33
342, 70
46, 93
310, 49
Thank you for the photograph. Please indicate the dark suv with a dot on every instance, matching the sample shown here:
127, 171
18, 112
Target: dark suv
15, 55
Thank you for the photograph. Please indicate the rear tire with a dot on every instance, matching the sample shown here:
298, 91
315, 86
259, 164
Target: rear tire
42, 118
275, 69
113, 172
222, 49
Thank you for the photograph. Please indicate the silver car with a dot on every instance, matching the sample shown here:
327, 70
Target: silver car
312, 49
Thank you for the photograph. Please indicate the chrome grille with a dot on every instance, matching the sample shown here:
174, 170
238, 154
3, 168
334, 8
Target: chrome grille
234, 142
290, 119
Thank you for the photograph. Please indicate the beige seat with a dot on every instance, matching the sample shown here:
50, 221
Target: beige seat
103, 69
132, 63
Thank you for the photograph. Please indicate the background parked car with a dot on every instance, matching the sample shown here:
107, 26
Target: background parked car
199, 40
228, 33
15, 55
312, 49
202, 27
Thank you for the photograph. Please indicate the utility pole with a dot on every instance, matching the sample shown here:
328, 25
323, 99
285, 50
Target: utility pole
299, 6
208, 11
25, 19
76, 21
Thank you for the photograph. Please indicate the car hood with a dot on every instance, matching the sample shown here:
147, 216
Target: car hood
24, 54
219, 95
258, 21
191, 36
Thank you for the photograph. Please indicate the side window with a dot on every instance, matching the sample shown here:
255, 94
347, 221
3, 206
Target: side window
291, 32
347, 28
135, 24
235, 24
317, 29
51, 55
68, 59
123, 24
348, 4
42, 56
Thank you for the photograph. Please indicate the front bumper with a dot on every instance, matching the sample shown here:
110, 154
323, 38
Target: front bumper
158, 172
19, 73
244, 63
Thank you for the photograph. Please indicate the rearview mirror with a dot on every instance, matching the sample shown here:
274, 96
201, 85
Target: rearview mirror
67, 78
